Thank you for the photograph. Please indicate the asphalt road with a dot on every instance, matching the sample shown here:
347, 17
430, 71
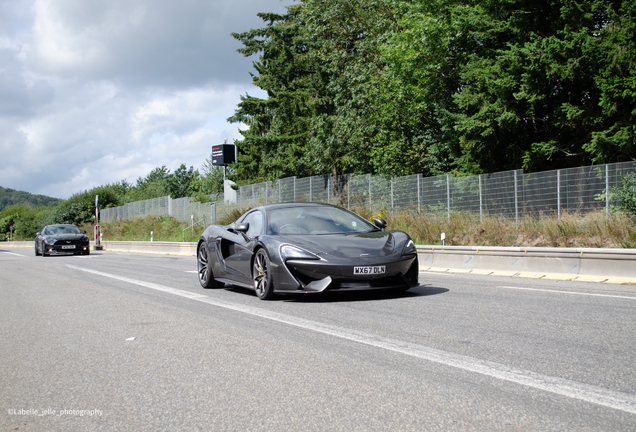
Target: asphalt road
118, 341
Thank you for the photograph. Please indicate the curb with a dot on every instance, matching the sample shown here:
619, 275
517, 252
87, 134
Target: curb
538, 275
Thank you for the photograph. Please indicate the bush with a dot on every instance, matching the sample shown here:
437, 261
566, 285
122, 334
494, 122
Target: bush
626, 194
26, 221
80, 208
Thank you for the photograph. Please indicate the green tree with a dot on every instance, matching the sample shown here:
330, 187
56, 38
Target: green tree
182, 183
617, 83
526, 91
80, 207
275, 143
413, 94
434, 86
157, 175
211, 179
154, 185
346, 37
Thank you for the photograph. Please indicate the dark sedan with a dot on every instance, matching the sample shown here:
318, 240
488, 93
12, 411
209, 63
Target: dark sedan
306, 248
61, 239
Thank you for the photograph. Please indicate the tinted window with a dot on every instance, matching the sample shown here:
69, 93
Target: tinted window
61, 229
255, 219
316, 220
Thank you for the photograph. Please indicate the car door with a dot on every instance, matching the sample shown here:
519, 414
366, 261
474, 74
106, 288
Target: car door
239, 249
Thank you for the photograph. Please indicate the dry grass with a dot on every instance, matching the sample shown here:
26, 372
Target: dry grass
164, 228
592, 230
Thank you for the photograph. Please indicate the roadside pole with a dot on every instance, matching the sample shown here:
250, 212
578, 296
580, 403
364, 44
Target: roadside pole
98, 228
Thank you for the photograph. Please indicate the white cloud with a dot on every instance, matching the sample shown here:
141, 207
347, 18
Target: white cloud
93, 92
162, 42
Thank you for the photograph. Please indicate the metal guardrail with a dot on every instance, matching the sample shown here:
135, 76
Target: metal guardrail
583, 264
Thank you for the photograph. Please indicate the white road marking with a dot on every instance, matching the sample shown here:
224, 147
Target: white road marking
568, 292
428, 273
11, 253
585, 392
191, 271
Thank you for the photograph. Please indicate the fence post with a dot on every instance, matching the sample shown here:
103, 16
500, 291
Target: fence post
607, 193
392, 195
448, 195
481, 204
348, 191
559, 196
310, 189
516, 203
294, 188
370, 208
419, 199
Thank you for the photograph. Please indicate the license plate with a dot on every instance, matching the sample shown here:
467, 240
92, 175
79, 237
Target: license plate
369, 270
68, 247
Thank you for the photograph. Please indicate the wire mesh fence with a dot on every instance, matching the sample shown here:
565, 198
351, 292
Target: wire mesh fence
511, 194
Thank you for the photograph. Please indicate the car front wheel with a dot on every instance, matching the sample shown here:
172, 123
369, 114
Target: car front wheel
262, 276
204, 269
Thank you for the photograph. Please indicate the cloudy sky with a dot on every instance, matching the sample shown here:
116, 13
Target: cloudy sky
93, 91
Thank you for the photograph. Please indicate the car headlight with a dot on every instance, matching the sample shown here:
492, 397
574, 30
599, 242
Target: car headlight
293, 252
85, 238
49, 240
409, 248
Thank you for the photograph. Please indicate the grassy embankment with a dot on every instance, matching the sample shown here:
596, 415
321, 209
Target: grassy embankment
587, 230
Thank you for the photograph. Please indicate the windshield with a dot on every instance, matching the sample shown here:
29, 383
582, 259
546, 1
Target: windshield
316, 220
53, 230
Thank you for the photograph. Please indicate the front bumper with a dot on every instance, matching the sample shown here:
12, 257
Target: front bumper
66, 248
309, 276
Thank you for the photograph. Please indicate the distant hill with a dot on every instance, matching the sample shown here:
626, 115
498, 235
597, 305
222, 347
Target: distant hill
9, 197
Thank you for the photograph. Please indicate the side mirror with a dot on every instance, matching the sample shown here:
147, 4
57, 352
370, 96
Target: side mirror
84, 232
37, 233
242, 227
380, 223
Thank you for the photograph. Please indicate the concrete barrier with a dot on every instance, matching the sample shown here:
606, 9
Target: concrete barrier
167, 248
18, 244
600, 265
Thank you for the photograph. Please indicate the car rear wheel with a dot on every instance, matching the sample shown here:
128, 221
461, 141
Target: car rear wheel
204, 267
262, 276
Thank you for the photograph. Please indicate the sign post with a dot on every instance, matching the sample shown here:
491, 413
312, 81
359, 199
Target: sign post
98, 228
224, 155
11, 230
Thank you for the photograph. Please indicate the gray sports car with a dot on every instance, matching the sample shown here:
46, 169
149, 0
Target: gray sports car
61, 238
291, 248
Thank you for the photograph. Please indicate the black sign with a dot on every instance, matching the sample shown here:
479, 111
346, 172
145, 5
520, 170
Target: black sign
223, 154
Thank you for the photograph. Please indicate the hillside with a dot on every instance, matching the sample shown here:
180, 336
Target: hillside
11, 197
